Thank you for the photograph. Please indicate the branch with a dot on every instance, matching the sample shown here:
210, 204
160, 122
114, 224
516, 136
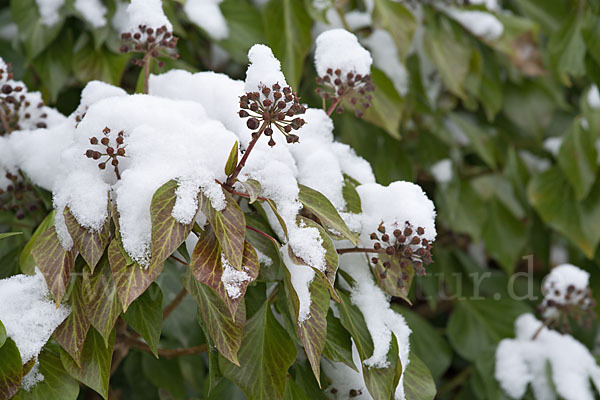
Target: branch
334, 105
359, 250
173, 305
166, 353
231, 179
262, 233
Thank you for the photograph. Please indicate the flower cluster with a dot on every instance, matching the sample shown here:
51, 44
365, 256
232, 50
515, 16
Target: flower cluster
407, 246
355, 88
112, 153
156, 42
273, 107
18, 196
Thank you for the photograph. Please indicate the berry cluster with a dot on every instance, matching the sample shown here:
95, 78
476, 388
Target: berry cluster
355, 88
18, 196
275, 107
156, 42
407, 246
351, 393
17, 107
112, 153
559, 305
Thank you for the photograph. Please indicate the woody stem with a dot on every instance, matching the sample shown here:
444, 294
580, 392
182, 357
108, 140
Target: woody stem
231, 179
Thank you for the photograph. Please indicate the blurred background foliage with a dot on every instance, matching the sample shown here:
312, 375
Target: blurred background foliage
502, 133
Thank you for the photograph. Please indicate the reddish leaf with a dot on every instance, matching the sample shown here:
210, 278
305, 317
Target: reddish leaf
11, 369
55, 262
90, 244
72, 332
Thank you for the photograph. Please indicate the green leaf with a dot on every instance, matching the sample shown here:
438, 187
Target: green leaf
32, 32
266, 354
131, 279
281, 221
351, 196
167, 232
312, 332
3, 335
57, 383
398, 21
207, 267
338, 345
578, 159
388, 278
225, 332
102, 305
9, 234
318, 204
566, 48
72, 332
11, 369
229, 226
145, 316
386, 107
53, 65
477, 325
90, 63
54, 262
381, 382
418, 383
293, 391
554, 200
290, 37
253, 188
26, 261
245, 29
232, 160
90, 244
479, 138
165, 374
505, 236
94, 370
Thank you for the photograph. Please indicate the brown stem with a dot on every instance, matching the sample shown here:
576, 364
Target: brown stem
334, 105
147, 58
166, 353
359, 250
5, 122
173, 305
231, 179
246, 195
117, 173
262, 233
179, 260
546, 322
273, 294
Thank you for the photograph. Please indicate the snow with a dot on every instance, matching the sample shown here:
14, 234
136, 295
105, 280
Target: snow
301, 277
148, 13
28, 314
566, 284
442, 171
394, 205
381, 320
480, 23
344, 379
339, 49
93, 11
385, 56
193, 153
264, 69
33, 377
491, 5
232, 279
552, 145
8, 162
593, 97
208, 16
523, 361
49, 10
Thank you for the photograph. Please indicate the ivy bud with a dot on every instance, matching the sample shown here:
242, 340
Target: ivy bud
390, 250
102, 165
421, 231
94, 140
377, 246
252, 123
96, 155
110, 151
373, 236
243, 113
385, 237
89, 153
120, 140
268, 131
104, 141
115, 162
374, 260
121, 152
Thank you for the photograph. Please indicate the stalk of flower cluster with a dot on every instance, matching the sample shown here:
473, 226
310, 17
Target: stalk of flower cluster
147, 59
5, 123
231, 179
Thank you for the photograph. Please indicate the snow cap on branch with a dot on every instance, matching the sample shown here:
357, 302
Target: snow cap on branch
339, 49
147, 12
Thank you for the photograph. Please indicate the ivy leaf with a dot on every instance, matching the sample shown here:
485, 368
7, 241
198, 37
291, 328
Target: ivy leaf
167, 232
388, 278
26, 261
351, 196
398, 21
293, 391
387, 105
3, 334
290, 38
35, 35
418, 383
319, 205
72, 332
271, 204
90, 63
9, 234
54, 262
94, 370
253, 188
312, 332
90, 244
11, 369
554, 200
566, 48
131, 280
225, 332
479, 138
578, 159
338, 345
102, 305
207, 267
57, 383
380, 381
145, 316
266, 354
232, 160
229, 226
